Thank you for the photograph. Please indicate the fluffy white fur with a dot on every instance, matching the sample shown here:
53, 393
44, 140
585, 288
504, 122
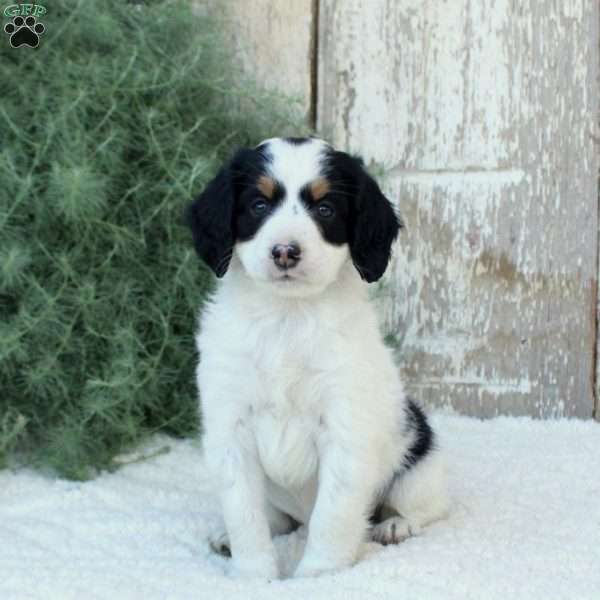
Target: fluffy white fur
303, 410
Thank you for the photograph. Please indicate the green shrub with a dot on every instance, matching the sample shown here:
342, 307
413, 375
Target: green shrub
107, 129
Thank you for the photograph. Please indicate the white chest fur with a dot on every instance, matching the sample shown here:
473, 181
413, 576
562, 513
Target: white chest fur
286, 411
288, 427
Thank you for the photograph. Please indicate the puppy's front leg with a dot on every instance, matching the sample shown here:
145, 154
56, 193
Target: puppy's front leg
243, 503
339, 519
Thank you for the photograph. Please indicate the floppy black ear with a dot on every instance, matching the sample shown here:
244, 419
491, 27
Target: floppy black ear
210, 217
376, 227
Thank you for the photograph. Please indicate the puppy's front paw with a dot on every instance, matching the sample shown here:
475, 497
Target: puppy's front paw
260, 565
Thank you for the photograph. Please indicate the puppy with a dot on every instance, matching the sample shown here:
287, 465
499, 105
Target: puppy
304, 415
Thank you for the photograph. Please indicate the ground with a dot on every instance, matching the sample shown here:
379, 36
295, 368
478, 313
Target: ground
525, 524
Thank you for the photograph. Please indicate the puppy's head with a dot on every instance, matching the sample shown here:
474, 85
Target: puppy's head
293, 211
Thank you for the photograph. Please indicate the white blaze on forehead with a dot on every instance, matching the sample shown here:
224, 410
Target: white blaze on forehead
295, 165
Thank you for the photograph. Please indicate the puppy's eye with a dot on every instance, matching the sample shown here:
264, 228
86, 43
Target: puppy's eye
259, 207
325, 210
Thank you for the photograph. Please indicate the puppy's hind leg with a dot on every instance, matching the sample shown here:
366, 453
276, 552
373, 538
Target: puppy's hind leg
416, 498
418, 494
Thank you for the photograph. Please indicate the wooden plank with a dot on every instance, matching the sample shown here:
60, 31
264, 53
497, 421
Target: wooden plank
481, 112
273, 41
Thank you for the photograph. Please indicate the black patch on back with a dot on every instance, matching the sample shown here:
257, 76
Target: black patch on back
423, 443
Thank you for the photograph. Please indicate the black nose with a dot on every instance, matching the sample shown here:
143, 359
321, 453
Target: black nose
286, 256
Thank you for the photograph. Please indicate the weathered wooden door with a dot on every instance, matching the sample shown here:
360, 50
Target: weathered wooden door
483, 113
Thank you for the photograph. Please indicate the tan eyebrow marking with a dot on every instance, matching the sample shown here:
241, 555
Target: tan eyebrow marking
319, 188
267, 186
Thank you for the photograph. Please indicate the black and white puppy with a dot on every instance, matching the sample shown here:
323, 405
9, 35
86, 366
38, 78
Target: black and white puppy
304, 415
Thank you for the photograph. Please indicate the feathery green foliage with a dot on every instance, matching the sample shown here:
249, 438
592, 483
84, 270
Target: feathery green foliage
107, 129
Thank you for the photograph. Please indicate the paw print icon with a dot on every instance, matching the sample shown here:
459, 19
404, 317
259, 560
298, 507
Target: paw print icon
24, 32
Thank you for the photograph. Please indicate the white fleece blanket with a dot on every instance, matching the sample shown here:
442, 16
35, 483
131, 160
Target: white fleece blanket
525, 524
